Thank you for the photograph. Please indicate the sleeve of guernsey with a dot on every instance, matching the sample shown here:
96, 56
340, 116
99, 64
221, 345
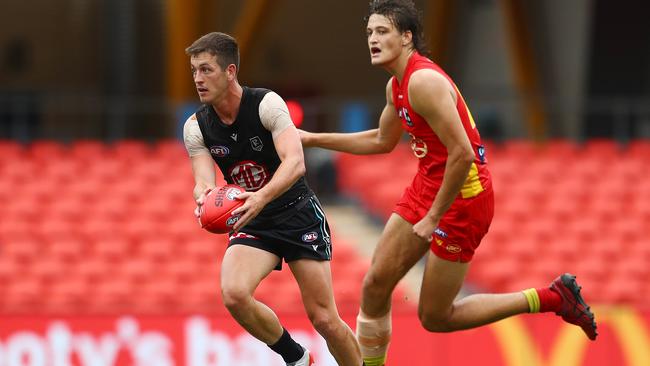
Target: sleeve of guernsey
193, 138
274, 114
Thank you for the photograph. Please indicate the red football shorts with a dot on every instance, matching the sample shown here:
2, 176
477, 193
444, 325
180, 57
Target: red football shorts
462, 227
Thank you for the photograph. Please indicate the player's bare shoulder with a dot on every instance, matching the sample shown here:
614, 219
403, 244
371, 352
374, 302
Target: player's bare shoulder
429, 80
427, 85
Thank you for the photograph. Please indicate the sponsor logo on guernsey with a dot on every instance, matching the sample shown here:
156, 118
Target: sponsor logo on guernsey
234, 136
219, 151
453, 248
419, 147
438, 231
309, 237
315, 247
256, 143
249, 175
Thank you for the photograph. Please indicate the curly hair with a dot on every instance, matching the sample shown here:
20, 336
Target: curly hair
404, 16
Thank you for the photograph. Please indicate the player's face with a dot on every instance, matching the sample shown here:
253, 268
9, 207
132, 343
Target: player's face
210, 80
385, 42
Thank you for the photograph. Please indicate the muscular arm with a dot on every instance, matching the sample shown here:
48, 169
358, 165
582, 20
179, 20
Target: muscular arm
292, 162
204, 174
202, 163
433, 97
292, 167
375, 141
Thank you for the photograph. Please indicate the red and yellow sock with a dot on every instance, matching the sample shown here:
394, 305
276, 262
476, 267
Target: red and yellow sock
542, 300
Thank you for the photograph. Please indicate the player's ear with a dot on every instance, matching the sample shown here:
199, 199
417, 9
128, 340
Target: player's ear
407, 37
231, 70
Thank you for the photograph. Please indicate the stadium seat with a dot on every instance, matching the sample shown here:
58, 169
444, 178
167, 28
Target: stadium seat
92, 268
111, 248
560, 149
112, 294
68, 295
22, 295
63, 170
47, 150
67, 250
89, 150
11, 150
131, 150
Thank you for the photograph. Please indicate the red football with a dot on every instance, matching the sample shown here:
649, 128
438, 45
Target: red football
216, 211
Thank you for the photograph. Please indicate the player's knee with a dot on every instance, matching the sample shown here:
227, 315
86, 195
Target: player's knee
325, 323
435, 322
235, 298
374, 286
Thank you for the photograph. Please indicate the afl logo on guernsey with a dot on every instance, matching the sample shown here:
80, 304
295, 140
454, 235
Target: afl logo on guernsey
219, 151
404, 113
309, 237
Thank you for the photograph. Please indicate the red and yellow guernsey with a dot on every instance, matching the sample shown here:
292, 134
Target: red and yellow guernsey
425, 143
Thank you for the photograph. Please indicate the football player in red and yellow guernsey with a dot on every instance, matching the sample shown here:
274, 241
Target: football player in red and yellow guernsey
449, 204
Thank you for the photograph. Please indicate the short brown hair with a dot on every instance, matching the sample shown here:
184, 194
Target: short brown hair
218, 44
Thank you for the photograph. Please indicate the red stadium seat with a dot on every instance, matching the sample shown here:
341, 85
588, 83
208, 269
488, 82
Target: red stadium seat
602, 149
11, 150
159, 295
24, 249
66, 208
92, 268
70, 295
23, 294
111, 249
131, 150
47, 269
89, 150
20, 171
46, 150
67, 250
639, 149
9, 266
112, 294
159, 249
136, 268
63, 170
170, 150
560, 149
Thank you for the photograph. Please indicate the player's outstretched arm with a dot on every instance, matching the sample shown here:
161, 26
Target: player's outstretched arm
376, 141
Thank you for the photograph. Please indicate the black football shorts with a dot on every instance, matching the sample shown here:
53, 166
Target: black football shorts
303, 235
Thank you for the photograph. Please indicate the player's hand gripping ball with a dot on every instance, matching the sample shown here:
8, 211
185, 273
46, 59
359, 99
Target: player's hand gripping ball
216, 213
